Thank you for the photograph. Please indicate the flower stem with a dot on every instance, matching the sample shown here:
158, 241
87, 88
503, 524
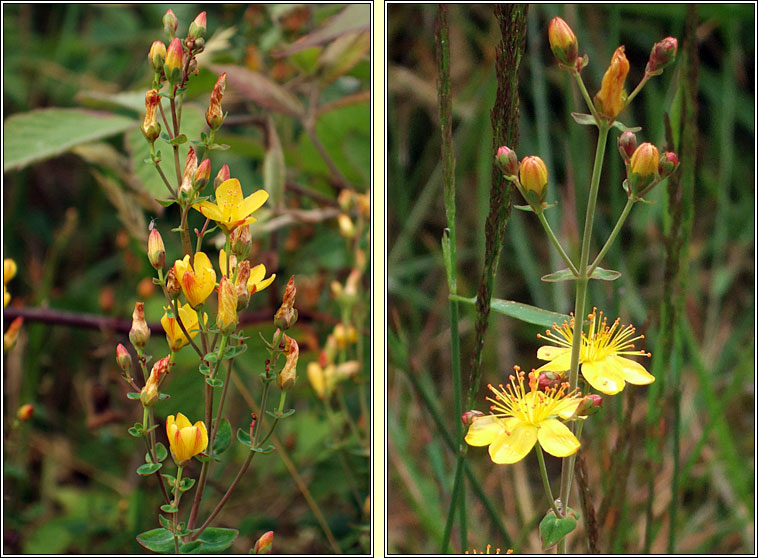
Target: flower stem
585, 94
612, 237
556, 242
546, 481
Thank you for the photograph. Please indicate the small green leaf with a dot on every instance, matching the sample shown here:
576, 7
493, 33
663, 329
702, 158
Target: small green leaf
282, 415
148, 469
584, 119
620, 126
158, 540
214, 382
166, 203
223, 438
213, 540
137, 430
556, 276
527, 208
218, 147
169, 508
233, 352
268, 449
211, 357
524, 312
165, 522
244, 437
204, 369
161, 453
163, 396
178, 140
605, 274
553, 529
133, 395
171, 479
186, 484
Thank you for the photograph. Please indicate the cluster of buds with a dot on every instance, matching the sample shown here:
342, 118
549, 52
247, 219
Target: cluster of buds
530, 176
645, 166
347, 295
324, 376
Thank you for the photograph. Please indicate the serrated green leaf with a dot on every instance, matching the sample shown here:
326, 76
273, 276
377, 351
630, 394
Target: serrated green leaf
561, 275
158, 540
223, 438
171, 479
148, 469
605, 274
524, 312
34, 136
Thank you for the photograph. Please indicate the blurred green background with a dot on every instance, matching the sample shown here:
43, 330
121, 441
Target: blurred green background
76, 223
716, 432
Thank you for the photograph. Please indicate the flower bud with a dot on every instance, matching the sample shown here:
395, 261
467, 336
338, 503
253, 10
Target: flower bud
611, 98
226, 320
197, 27
627, 145
347, 370
173, 287
286, 316
562, 42
202, 174
243, 274
589, 405
11, 336
221, 177
124, 359
345, 199
156, 252
533, 174
151, 128
172, 67
662, 54
242, 241
264, 544
25, 412
9, 269
157, 55
468, 417
507, 161
170, 24
190, 170
668, 164
550, 380
149, 394
645, 159
140, 333
347, 229
287, 377
214, 116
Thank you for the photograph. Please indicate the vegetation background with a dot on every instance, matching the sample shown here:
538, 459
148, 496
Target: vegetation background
75, 219
709, 412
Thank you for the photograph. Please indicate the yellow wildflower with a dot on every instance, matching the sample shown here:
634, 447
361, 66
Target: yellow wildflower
198, 280
610, 99
186, 440
255, 282
231, 209
523, 418
174, 334
9, 272
600, 354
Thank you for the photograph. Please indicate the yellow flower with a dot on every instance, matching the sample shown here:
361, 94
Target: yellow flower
174, 334
197, 281
227, 306
231, 210
610, 99
322, 379
523, 418
599, 356
186, 440
9, 272
256, 281
533, 174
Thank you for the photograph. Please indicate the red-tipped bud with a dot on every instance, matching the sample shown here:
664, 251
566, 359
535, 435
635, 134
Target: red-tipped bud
156, 252
589, 405
222, 176
562, 42
170, 24
172, 67
668, 164
25, 412
214, 116
507, 161
173, 287
549, 380
197, 27
123, 359
468, 417
644, 161
242, 241
288, 376
202, 174
157, 55
533, 175
286, 316
11, 336
662, 54
140, 333
627, 145
190, 168
151, 128
264, 544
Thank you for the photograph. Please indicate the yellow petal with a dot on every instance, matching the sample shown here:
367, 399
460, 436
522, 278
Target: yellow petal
484, 430
632, 371
252, 202
603, 376
556, 438
259, 286
256, 274
200, 425
209, 210
561, 363
182, 421
513, 446
549, 352
229, 196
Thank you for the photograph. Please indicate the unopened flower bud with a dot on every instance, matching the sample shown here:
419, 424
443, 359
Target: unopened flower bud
172, 67
243, 274
202, 174
562, 41
11, 336
550, 380
214, 116
533, 175
190, 169
242, 241
264, 544
170, 24
156, 252
589, 405
346, 226
25, 412
151, 128
173, 287
468, 417
221, 177
363, 203
627, 145
287, 377
347, 370
662, 54
157, 55
611, 98
286, 316
668, 164
644, 161
197, 27
227, 306
345, 199
149, 394
140, 333
507, 161
124, 359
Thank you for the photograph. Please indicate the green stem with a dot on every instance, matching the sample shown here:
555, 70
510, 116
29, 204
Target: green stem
637, 89
567, 469
556, 242
546, 481
612, 237
585, 94
175, 504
